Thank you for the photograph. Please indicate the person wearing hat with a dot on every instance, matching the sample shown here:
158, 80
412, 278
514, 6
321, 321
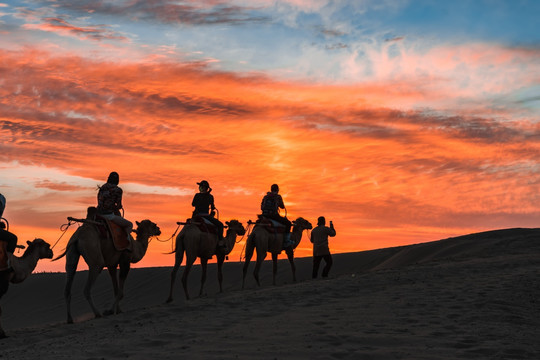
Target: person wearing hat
203, 202
110, 203
5, 235
319, 238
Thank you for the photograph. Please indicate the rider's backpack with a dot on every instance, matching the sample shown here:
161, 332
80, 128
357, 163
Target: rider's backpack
269, 204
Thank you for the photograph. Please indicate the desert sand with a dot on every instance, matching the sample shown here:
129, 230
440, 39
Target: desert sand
470, 297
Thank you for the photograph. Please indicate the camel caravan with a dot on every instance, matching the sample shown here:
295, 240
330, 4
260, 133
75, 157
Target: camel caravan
103, 239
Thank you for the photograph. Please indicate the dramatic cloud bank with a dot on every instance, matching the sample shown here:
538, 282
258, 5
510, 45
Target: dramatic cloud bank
398, 138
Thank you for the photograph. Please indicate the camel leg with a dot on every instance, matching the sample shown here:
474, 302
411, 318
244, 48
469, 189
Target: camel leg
124, 271
249, 254
274, 268
261, 255
187, 269
204, 266
114, 280
220, 261
290, 255
93, 273
178, 258
72, 260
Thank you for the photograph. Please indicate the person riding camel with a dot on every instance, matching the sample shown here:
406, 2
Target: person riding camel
270, 205
5, 236
203, 202
110, 203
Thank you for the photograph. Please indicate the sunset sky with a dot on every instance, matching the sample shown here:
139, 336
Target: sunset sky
402, 121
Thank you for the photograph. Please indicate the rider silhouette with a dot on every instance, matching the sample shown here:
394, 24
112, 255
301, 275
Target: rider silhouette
270, 205
203, 202
110, 203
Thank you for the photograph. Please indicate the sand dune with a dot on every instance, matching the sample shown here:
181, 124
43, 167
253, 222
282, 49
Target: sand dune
475, 296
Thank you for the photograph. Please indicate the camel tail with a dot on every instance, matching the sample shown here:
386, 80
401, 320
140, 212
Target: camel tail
249, 247
179, 248
60, 256
63, 253
70, 242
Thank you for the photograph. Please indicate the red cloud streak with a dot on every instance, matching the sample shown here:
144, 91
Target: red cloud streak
385, 176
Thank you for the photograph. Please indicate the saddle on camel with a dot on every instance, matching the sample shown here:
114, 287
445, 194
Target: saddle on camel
107, 229
202, 223
272, 226
205, 226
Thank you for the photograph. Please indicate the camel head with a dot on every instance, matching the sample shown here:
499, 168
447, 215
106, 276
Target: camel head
236, 226
302, 224
147, 227
41, 247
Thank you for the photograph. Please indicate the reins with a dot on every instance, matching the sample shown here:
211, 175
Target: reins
243, 236
64, 228
171, 239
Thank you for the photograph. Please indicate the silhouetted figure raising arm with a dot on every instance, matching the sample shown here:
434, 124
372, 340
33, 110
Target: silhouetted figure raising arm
321, 250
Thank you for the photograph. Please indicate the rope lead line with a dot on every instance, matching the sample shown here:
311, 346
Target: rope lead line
63, 228
171, 239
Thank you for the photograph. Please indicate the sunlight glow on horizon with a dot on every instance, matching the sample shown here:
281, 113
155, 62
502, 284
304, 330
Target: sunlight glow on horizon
398, 128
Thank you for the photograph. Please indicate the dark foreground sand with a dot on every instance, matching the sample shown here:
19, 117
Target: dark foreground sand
473, 297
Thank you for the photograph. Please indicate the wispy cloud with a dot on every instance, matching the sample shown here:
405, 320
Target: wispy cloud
63, 27
167, 11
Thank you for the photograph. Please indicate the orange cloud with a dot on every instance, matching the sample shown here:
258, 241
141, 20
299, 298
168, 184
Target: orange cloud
385, 174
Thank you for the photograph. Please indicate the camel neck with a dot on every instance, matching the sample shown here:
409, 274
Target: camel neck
23, 266
140, 245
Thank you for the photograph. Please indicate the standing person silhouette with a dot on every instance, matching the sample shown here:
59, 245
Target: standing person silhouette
321, 250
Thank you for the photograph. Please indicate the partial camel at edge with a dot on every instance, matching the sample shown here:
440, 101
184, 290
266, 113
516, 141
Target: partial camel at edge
22, 267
